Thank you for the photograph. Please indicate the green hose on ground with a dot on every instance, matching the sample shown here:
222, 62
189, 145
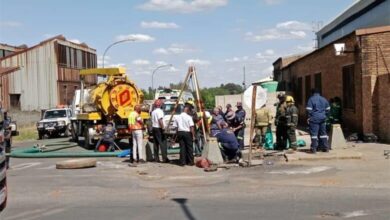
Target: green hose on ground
49, 151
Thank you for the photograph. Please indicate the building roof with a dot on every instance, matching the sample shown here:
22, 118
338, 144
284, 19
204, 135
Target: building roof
359, 32
361, 14
285, 61
58, 37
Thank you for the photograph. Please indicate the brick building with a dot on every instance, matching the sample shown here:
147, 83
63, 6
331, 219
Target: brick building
361, 78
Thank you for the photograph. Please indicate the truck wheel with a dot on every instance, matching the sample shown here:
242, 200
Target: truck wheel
40, 135
68, 130
86, 138
73, 131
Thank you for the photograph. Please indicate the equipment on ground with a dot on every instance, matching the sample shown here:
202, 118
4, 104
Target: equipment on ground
111, 100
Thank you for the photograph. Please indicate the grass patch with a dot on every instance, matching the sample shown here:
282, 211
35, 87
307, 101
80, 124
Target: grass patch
26, 133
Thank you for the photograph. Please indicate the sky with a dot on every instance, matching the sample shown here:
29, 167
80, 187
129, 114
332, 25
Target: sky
218, 37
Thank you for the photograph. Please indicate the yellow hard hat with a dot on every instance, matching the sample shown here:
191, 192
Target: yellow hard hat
289, 98
190, 102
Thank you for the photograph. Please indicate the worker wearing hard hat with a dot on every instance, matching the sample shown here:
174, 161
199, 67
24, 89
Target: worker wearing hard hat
292, 121
262, 123
136, 128
281, 123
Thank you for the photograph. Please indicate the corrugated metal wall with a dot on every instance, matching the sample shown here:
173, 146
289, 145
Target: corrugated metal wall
40, 81
36, 79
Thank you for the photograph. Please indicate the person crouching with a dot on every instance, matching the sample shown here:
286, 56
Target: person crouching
229, 143
186, 136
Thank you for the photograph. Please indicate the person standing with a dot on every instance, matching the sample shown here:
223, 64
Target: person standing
336, 112
262, 123
7, 135
228, 109
185, 135
317, 108
158, 133
136, 128
281, 123
216, 120
292, 122
239, 129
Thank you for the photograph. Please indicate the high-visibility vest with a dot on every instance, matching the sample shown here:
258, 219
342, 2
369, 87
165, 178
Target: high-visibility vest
135, 121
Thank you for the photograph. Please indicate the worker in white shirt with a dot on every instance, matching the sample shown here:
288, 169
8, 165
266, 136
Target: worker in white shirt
186, 136
158, 133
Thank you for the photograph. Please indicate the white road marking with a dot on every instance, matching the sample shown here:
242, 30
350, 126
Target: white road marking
23, 214
24, 165
354, 214
46, 213
302, 171
47, 168
111, 165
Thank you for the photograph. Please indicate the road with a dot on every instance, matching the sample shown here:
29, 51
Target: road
344, 189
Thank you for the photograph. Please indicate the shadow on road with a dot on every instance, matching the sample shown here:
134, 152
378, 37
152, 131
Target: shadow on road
183, 206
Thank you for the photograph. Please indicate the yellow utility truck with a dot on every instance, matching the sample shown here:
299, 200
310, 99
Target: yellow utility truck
110, 100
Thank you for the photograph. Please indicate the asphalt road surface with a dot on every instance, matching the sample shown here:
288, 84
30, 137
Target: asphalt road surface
349, 189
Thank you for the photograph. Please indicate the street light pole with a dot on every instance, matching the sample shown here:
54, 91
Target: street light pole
154, 71
115, 43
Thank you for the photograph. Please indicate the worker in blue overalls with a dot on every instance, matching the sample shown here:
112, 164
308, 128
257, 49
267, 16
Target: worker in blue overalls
239, 129
318, 108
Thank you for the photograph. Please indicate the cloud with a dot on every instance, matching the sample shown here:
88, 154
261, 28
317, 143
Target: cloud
197, 62
272, 2
182, 6
140, 62
294, 25
10, 24
173, 49
282, 31
306, 47
159, 25
237, 59
136, 37
117, 65
269, 52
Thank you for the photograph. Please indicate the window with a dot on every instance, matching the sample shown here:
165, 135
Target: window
349, 87
318, 82
298, 91
307, 87
75, 58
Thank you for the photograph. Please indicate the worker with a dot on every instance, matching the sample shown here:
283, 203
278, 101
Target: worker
262, 123
240, 129
136, 128
281, 123
185, 135
196, 118
220, 110
215, 125
228, 109
7, 135
292, 122
229, 143
317, 108
158, 133
108, 137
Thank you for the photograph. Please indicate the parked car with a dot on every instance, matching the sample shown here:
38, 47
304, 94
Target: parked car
55, 122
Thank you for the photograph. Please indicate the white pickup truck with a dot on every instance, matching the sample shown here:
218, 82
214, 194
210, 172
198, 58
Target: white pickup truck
55, 122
